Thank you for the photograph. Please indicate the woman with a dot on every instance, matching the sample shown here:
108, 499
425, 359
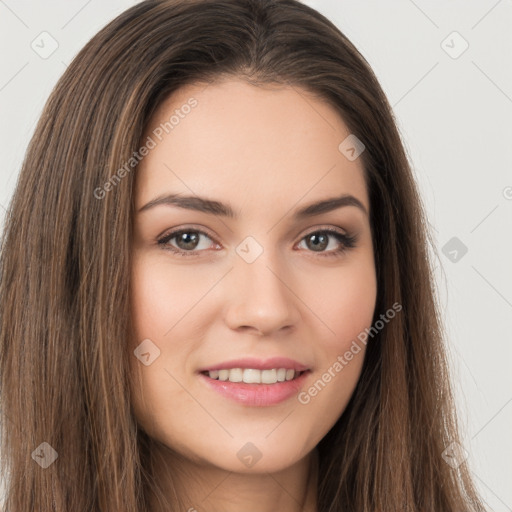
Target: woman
215, 284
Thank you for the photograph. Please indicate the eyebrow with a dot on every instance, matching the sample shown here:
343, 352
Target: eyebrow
210, 206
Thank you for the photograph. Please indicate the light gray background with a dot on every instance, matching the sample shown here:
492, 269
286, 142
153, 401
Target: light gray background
454, 112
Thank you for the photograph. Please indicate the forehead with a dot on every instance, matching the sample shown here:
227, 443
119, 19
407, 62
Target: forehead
248, 145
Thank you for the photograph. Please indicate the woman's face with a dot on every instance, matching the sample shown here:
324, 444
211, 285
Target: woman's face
253, 283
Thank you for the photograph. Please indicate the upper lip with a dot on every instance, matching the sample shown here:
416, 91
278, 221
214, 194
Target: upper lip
258, 364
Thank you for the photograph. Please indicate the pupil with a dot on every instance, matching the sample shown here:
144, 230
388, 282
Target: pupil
318, 243
188, 241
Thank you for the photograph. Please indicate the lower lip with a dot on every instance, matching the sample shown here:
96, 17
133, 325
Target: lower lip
257, 395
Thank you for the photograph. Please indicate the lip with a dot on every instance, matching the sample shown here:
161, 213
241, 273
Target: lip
256, 395
258, 364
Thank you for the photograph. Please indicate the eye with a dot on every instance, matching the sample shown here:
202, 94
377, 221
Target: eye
318, 241
188, 241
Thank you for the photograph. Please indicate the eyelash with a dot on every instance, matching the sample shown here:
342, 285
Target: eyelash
347, 242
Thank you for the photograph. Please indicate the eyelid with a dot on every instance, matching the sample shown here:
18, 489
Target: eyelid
325, 227
174, 232
187, 227
346, 238
207, 232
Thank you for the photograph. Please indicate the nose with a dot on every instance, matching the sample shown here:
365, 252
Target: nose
261, 297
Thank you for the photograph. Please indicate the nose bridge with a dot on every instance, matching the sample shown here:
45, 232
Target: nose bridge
260, 294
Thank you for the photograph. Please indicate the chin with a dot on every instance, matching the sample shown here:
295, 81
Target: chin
256, 455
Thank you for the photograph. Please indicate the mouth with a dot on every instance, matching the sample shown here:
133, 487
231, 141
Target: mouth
253, 387
254, 375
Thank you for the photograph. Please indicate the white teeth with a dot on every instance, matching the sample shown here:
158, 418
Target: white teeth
269, 376
236, 375
253, 376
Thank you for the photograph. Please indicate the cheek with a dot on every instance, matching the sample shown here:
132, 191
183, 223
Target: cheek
345, 302
161, 295
154, 311
353, 307
347, 308
340, 354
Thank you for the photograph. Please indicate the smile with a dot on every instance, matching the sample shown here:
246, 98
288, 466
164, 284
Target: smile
258, 392
253, 375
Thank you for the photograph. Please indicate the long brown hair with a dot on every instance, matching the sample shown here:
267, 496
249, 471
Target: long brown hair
65, 266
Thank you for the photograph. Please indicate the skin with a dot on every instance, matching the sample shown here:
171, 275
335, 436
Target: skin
265, 151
